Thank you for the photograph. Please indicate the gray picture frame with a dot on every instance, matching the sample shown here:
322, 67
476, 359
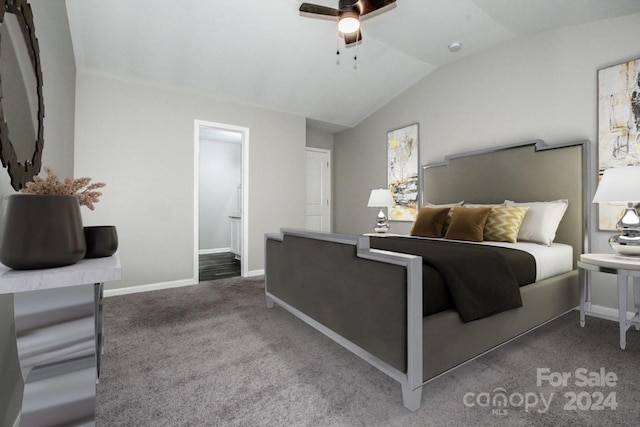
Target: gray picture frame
618, 127
403, 163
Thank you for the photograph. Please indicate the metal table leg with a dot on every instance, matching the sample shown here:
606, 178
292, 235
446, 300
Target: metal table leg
622, 308
583, 295
636, 301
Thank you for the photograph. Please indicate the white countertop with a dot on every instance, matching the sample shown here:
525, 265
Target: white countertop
86, 271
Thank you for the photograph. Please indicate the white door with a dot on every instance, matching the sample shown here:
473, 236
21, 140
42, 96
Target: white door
318, 212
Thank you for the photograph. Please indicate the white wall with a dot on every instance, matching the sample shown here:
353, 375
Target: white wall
220, 174
543, 86
319, 139
139, 140
58, 90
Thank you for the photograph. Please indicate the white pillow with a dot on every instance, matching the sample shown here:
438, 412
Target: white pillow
482, 205
541, 221
446, 205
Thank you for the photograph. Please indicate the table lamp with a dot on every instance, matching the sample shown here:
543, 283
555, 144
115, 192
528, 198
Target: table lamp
381, 198
622, 185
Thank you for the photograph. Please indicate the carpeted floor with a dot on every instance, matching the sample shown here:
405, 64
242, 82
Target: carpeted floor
213, 355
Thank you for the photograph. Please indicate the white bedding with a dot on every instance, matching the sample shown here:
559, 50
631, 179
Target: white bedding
550, 260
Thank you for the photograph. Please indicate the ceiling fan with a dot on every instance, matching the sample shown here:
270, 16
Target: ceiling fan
348, 14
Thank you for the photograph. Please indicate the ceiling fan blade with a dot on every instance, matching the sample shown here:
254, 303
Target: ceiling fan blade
352, 37
346, 4
368, 6
318, 10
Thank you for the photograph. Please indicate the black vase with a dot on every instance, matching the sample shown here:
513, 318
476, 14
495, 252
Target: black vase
41, 231
102, 241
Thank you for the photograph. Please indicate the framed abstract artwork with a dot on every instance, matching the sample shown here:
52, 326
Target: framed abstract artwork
402, 172
618, 127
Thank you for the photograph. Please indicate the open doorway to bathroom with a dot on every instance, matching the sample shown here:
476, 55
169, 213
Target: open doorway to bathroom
221, 201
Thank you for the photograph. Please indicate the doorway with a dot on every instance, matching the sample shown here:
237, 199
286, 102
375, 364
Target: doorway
220, 201
318, 183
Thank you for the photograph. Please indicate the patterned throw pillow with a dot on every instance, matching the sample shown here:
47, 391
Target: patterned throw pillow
504, 223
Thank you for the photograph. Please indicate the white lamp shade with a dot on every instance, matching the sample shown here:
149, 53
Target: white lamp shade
619, 185
381, 198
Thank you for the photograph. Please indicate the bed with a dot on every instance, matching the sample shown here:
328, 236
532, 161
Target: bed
367, 293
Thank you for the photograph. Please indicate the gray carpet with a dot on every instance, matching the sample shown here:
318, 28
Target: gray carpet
213, 355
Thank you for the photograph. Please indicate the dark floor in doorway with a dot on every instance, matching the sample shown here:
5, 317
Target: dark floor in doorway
218, 266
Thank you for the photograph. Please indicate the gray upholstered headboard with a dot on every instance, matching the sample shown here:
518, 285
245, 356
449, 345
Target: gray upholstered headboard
523, 172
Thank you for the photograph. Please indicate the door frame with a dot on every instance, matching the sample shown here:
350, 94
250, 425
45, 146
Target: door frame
330, 176
244, 219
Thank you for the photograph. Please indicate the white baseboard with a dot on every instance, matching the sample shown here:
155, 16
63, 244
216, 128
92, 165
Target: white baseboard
149, 287
254, 273
213, 251
606, 313
164, 285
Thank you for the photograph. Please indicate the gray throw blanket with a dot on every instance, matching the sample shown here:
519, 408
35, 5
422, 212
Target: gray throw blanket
479, 279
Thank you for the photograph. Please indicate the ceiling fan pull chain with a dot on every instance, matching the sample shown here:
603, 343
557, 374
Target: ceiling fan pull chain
355, 57
338, 47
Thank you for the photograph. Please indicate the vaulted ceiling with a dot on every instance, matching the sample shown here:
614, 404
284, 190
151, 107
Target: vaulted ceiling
266, 53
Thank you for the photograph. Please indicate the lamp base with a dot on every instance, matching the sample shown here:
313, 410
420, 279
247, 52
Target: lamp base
627, 243
382, 226
625, 246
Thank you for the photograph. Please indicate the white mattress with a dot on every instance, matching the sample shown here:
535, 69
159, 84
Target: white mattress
550, 260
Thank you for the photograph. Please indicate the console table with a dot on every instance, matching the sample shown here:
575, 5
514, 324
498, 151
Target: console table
51, 361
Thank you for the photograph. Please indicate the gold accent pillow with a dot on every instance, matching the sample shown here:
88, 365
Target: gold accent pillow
503, 223
447, 221
467, 223
429, 222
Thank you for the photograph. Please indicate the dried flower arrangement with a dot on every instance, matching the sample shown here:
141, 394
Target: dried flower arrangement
71, 187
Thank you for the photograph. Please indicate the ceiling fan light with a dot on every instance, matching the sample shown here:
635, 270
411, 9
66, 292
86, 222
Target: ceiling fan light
348, 24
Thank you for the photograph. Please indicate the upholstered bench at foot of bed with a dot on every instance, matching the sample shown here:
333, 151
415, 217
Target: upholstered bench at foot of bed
369, 301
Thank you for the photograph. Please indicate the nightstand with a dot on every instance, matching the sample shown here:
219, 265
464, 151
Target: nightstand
624, 268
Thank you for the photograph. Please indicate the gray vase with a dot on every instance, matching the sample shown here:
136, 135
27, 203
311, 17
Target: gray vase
41, 231
102, 241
